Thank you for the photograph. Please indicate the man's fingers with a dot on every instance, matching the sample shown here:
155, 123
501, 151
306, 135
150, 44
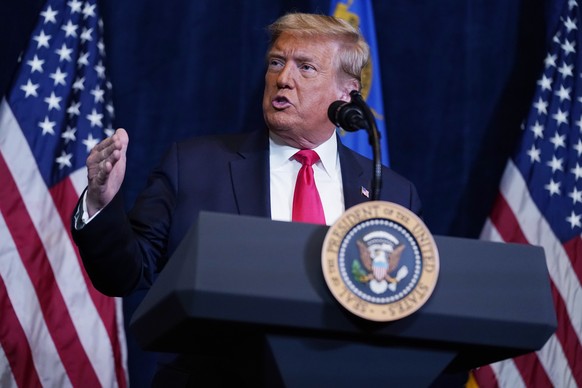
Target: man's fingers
109, 153
106, 147
105, 155
103, 173
121, 136
98, 172
106, 169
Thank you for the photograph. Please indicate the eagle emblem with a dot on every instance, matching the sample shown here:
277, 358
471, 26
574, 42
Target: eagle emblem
378, 266
373, 264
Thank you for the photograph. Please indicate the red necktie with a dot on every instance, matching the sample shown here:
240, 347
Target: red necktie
307, 205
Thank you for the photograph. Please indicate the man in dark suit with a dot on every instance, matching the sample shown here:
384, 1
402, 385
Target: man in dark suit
313, 60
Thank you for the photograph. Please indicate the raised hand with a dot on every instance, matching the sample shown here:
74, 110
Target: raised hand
106, 170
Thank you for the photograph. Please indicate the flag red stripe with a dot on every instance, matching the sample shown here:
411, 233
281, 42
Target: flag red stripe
15, 345
509, 228
574, 251
532, 372
485, 377
54, 309
65, 197
567, 337
505, 222
529, 211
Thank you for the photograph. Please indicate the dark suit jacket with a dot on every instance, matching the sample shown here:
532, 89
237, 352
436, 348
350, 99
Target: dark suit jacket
229, 174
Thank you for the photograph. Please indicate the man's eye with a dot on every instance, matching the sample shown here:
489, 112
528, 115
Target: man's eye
275, 63
308, 70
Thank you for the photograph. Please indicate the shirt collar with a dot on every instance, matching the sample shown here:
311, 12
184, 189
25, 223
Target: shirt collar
280, 153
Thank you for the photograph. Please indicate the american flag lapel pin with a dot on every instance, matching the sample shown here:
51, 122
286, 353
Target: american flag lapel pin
364, 192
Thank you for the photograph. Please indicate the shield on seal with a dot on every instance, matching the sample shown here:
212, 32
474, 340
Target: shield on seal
380, 268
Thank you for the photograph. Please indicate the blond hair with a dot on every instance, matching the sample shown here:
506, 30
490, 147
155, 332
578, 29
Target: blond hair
354, 52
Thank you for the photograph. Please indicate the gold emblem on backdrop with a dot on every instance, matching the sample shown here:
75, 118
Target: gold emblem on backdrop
342, 11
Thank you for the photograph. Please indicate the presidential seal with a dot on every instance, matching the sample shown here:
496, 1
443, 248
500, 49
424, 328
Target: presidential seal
380, 261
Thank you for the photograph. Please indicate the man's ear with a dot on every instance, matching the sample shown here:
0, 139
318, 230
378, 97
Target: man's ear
349, 85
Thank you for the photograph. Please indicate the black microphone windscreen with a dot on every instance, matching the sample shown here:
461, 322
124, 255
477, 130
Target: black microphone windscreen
333, 110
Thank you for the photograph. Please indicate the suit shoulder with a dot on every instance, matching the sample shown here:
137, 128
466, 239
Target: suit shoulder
387, 172
230, 141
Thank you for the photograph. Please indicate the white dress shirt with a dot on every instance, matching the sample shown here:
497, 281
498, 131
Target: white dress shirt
284, 170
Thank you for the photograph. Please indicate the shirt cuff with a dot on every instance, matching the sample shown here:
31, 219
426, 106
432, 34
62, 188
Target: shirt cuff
81, 216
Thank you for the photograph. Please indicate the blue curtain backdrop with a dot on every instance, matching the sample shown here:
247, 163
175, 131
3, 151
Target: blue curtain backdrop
457, 78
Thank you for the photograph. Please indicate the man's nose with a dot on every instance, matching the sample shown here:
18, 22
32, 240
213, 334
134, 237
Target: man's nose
285, 78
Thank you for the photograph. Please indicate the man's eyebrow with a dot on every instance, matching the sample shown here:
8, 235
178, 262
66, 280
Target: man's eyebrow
297, 56
277, 54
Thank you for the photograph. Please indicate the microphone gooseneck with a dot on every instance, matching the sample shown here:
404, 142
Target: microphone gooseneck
353, 116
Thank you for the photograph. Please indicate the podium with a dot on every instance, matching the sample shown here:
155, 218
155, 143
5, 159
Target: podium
259, 282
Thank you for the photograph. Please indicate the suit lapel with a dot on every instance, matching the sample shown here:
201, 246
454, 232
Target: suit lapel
252, 190
250, 176
353, 177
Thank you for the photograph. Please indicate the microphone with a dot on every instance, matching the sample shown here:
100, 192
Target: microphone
353, 116
347, 115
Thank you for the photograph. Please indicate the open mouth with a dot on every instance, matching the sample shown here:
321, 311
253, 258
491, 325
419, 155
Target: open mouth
280, 102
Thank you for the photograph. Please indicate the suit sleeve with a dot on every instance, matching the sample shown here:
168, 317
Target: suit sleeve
396, 188
415, 203
122, 252
104, 244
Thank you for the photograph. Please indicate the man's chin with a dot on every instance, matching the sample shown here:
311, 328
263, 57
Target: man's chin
281, 130
279, 122
284, 132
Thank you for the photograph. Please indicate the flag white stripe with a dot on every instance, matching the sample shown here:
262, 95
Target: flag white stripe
538, 232
121, 335
552, 365
553, 359
57, 244
79, 180
505, 371
490, 232
507, 374
27, 309
6, 376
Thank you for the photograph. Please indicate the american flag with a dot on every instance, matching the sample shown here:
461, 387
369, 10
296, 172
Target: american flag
55, 329
540, 203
